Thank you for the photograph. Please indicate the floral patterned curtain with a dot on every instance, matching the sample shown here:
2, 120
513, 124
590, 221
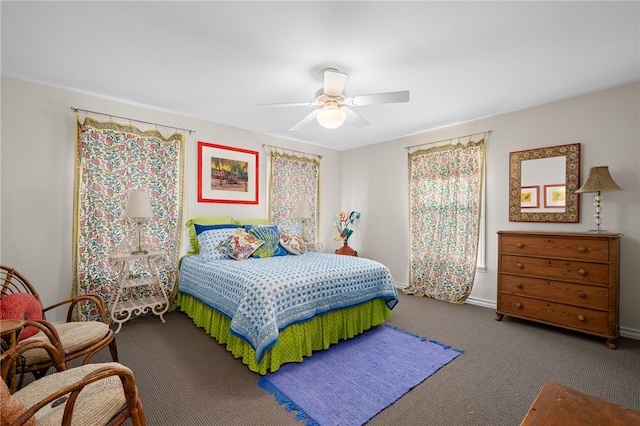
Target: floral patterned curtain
445, 184
112, 160
293, 179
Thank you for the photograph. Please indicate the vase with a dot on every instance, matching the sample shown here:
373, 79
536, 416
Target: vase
346, 250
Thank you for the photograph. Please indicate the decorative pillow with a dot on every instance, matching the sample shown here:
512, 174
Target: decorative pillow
209, 241
12, 407
244, 222
292, 243
21, 306
201, 228
203, 220
240, 245
271, 237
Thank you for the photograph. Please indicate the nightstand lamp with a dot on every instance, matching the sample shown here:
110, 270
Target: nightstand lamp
303, 212
138, 208
599, 180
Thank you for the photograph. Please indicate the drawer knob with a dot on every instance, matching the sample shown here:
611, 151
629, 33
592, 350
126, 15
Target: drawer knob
581, 317
582, 272
582, 249
518, 305
519, 245
519, 285
519, 265
581, 295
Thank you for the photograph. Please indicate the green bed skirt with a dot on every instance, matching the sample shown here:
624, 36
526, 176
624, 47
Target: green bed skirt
295, 341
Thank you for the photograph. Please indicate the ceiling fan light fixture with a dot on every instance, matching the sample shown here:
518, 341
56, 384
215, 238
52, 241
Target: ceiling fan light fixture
330, 116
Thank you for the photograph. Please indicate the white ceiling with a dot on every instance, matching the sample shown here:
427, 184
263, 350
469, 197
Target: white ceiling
216, 60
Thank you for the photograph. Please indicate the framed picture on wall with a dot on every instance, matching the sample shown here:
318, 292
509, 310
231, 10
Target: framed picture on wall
227, 174
555, 196
529, 196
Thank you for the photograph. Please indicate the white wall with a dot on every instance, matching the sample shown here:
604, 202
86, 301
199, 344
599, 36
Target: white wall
37, 172
605, 123
37, 163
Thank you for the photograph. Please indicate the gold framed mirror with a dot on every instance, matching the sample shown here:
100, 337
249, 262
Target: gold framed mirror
543, 184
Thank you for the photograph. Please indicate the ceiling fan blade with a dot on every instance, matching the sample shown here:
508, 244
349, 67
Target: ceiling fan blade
334, 82
378, 98
287, 104
354, 118
306, 120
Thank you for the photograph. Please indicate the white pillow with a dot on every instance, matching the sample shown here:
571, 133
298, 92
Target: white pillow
209, 241
292, 243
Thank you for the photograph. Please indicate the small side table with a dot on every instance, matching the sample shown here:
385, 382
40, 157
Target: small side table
10, 330
157, 302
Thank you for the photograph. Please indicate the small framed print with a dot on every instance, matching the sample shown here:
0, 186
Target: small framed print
529, 196
227, 174
555, 196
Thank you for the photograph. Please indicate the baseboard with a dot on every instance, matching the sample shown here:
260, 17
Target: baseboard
481, 302
471, 300
629, 333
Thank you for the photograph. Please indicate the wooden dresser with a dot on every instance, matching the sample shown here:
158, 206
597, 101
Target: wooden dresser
568, 280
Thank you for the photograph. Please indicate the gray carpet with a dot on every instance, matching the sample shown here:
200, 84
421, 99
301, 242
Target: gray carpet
186, 378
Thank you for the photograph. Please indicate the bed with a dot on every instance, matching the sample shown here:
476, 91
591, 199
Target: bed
275, 310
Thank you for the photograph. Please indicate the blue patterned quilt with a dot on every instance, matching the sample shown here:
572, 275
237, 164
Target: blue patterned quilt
263, 296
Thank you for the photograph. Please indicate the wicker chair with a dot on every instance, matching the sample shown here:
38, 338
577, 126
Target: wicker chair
91, 394
73, 339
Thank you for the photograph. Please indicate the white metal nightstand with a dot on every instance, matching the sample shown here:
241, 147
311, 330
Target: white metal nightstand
157, 302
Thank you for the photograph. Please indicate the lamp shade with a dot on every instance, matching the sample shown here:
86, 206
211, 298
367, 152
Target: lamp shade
303, 209
138, 205
330, 116
599, 180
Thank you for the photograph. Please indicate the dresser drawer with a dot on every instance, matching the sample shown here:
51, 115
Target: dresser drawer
596, 250
556, 313
565, 270
588, 296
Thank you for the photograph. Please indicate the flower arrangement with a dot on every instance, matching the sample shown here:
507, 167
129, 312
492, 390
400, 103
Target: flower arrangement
343, 224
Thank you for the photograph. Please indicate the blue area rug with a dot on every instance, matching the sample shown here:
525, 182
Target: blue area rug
352, 381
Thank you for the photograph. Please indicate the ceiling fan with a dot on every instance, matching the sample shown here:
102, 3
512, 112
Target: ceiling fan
334, 106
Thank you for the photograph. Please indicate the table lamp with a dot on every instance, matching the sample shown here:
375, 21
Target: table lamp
599, 180
138, 208
303, 212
